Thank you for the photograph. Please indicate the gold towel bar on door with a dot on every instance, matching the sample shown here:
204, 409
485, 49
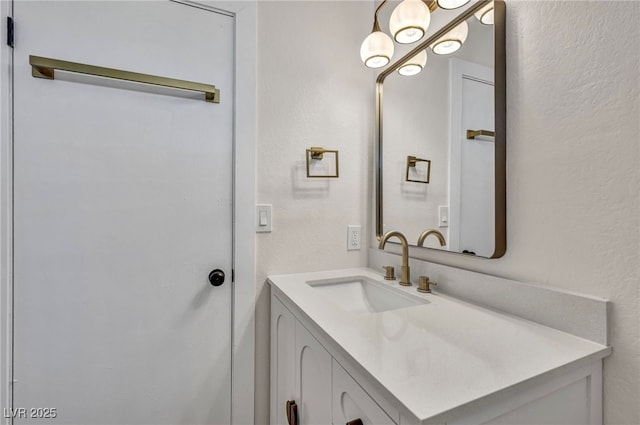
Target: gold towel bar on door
472, 134
44, 68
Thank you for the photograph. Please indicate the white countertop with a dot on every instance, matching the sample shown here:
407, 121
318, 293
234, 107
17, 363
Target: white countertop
435, 357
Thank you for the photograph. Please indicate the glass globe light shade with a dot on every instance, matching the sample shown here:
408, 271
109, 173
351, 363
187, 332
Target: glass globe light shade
485, 15
414, 65
376, 50
451, 4
451, 41
409, 21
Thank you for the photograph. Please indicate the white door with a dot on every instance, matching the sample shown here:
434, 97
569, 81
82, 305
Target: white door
472, 211
477, 194
123, 205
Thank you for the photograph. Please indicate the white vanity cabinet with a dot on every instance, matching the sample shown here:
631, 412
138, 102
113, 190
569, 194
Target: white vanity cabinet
300, 371
439, 362
303, 371
352, 403
313, 379
283, 361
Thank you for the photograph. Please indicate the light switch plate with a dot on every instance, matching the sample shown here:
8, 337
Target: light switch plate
263, 218
443, 216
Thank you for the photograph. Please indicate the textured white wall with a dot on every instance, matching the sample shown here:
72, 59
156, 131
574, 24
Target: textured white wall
573, 158
312, 91
573, 161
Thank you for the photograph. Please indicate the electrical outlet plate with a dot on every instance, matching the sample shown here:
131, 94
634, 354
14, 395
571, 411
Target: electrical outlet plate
354, 237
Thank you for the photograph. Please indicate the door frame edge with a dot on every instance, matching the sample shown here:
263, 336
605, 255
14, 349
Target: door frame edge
244, 188
6, 212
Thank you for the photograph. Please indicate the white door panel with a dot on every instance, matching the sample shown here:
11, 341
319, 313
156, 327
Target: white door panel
472, 180
477, 180
123, 205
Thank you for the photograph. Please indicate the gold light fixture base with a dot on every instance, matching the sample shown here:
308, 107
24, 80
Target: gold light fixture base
431, 4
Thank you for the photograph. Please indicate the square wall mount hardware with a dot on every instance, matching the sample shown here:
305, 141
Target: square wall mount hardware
263, 218
418, 170
322, 163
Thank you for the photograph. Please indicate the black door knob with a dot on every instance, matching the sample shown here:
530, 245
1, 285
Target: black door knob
216, 277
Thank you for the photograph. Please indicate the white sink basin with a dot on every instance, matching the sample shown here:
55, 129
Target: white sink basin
358, 294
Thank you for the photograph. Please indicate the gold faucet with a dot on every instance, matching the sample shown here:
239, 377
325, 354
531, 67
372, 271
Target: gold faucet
428, 232
405, 280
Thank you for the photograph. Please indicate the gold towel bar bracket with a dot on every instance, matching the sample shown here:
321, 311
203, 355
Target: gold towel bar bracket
45, 68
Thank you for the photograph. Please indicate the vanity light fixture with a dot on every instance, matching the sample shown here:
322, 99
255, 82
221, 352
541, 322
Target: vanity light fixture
377, 49
410, 20
451, 41
414, 65
408, 24
485, 15
452, 4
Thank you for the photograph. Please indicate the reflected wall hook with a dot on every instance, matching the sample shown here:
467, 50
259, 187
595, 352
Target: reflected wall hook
411, 163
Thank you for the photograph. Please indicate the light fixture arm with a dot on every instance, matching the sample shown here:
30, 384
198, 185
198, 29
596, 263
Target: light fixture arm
376, 26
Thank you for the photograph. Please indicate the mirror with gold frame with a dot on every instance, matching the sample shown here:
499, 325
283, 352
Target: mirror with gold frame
441, 141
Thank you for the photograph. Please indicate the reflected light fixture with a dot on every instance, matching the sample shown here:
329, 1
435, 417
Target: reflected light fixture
409, 21
377, 49
485, 15
451, 41
452, 4
414, 65
408, 24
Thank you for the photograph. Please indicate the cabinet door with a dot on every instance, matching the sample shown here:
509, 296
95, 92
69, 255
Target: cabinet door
313, 379
283, 361
351, 402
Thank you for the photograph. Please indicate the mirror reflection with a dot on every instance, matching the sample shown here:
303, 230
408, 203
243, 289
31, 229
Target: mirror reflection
438, 147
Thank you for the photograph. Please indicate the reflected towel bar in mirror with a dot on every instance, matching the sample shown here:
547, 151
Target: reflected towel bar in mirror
472, 134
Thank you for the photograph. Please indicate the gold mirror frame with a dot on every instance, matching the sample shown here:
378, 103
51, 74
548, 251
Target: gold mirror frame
500, 81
